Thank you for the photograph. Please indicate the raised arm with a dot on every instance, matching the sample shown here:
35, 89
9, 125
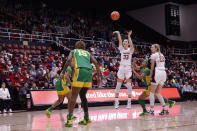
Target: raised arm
98, 71
119, 37
130, 41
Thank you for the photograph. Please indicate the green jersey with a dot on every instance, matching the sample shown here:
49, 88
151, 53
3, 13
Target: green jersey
81, 58
59, 84
146, 79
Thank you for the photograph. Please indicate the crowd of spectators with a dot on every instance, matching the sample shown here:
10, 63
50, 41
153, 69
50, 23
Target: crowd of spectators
41, 72
45, 20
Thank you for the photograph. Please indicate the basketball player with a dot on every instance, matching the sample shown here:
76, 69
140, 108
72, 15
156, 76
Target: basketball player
158, 78
124, 72
82, 80
144, 76
63, 91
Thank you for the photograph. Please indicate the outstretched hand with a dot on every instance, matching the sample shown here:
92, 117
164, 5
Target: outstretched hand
130, 33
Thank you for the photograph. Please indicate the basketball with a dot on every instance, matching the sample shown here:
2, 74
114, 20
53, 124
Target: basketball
115, 15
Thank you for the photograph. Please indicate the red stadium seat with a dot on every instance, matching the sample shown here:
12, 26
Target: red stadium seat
9, 46
33, 47
10, 50
21, 46
38, 52
27, 47
16, 51
28, 51
4, 46
38, 47
22, 51
32, 52
44, 47
15, 46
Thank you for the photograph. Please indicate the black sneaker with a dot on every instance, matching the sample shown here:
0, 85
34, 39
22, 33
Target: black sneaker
150, 113
164, 112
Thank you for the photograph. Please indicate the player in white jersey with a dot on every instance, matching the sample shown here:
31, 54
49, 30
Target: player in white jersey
124, 72
158, 78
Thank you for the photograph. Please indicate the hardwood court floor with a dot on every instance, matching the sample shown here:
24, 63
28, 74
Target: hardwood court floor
183, 117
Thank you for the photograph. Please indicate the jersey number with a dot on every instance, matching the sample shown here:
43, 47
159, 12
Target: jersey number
82, 53
126, 57
162, 59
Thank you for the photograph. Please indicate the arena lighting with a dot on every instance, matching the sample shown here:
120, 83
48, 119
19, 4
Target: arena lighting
45, 97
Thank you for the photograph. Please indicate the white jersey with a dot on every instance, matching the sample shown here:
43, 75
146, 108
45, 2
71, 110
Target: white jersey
126, 56
159, 59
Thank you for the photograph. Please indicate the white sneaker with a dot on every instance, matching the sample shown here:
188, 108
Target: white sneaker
129, 105
4, 111
116, 104
10, 110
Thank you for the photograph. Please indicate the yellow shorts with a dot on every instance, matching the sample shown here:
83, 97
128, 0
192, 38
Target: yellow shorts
82, 78
148, 91
64, 91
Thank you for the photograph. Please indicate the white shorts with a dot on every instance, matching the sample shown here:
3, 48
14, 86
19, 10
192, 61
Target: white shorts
160, 77
124, 72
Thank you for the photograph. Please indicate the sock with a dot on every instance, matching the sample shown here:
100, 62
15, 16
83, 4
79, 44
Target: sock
161, 100
116, 99
152, 100
129, 100
164, 107
166, 100
129, 87
50, 108
143, 105
118, 86
86, 116
69, 116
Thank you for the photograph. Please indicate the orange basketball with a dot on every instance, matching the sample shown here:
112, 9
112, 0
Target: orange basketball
115, 15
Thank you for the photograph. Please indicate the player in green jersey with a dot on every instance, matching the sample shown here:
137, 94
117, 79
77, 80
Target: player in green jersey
62, 89
144, 76
82, 79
